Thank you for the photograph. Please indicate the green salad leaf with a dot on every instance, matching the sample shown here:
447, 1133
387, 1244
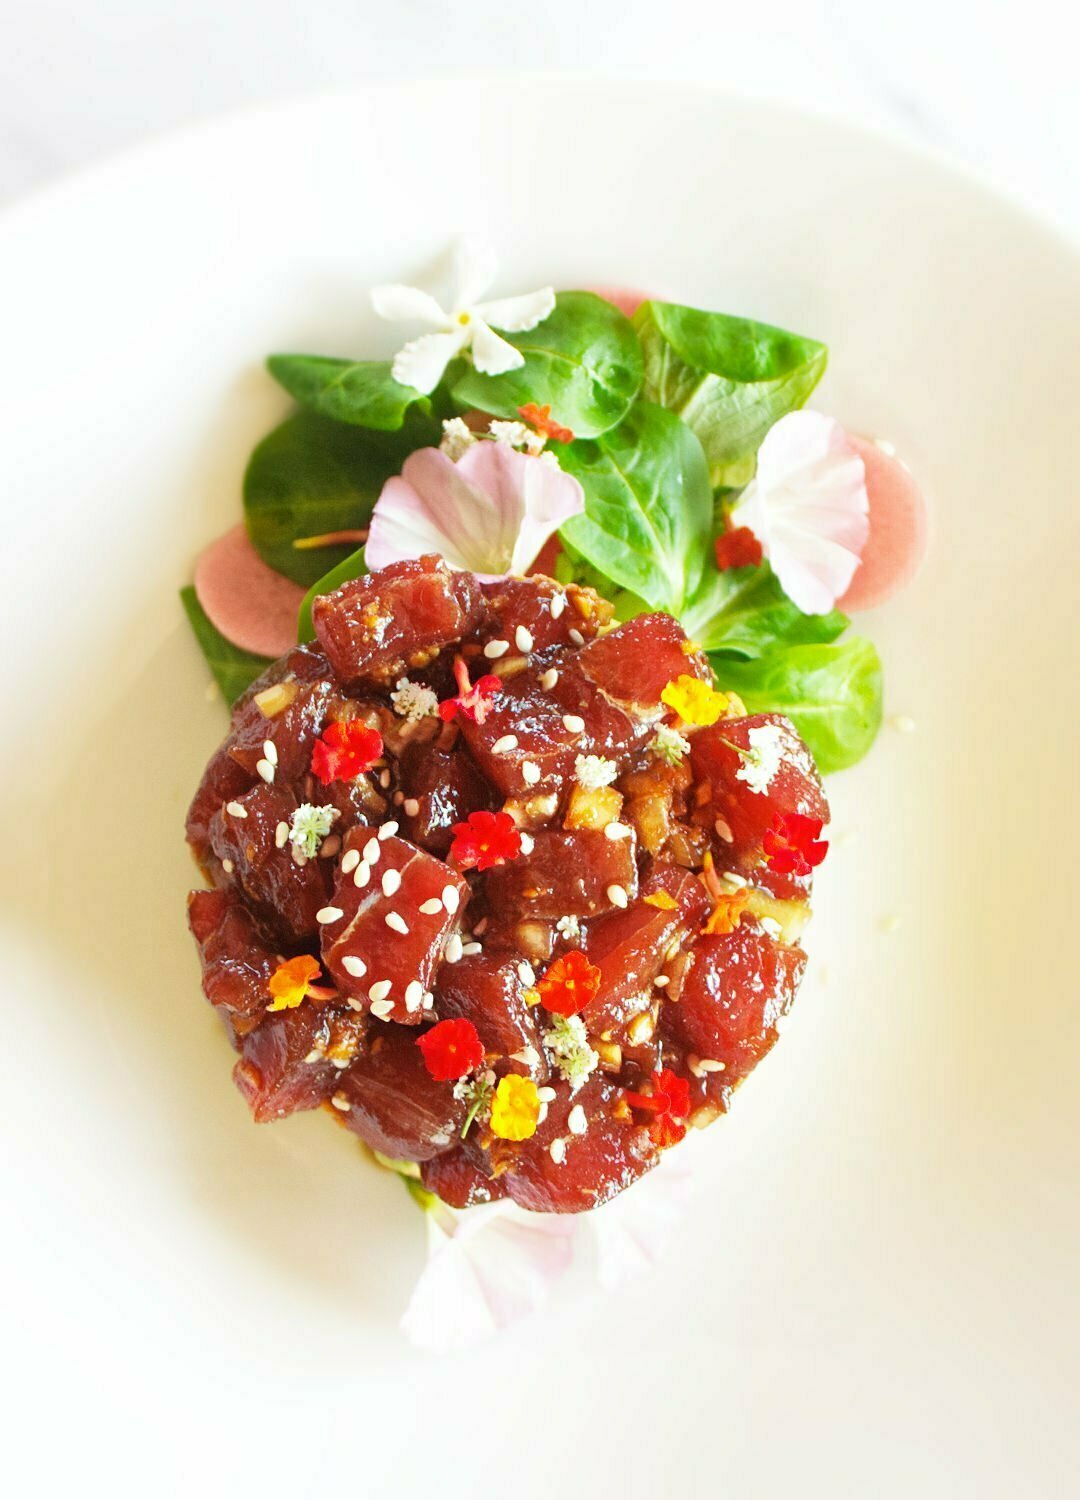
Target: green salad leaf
349, 568
234, 669
744, 611
361, 392
584, 361
728, 378
648, 505
832, 694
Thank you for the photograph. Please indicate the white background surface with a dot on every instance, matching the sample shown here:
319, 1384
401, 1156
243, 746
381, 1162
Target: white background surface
993, 83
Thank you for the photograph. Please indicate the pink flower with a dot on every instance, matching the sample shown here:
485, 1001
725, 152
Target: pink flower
490, 512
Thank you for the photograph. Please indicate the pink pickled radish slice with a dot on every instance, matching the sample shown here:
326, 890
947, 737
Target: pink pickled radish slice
253, 607
625, 298
899, 530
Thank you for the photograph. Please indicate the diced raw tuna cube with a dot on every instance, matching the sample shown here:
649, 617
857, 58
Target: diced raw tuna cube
395, 1106
489, 993
635, 662
609, 729
446, 787
292, 729
377, 627
458, 1181
237, 959
576, 873
526, 605
384, 948
523, 746
294, 1060
222, 780
286, 895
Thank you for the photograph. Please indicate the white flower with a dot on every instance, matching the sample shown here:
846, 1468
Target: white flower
807, 505
569, 928
412, 700
594, 771
763, 759
308, 826
457, 438
514, 433
568, 1043
669, 745
469, 324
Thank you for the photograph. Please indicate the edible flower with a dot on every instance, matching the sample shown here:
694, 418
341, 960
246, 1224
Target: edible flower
668, 745
473, 699
515, 1108
412, 700
669, 1105
484, 840
791, 844
308, 826
344, 751
763, 759
807, 505
694, 701
489, 512
451, 1049
568, 984
468, 325
292, 981
567, 1041
662, 900
594, 771
727, 911
738, 547
540, 420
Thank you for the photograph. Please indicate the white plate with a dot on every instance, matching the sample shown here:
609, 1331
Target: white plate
877, 1290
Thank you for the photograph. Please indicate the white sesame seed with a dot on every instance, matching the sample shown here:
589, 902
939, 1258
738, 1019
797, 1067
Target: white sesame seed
616, 895
391, 882
315, 1055
526, 973
557, 1151
353, 965
710, 1065
396, 923
270, 751
558, 604
349, 861
546, 1095
573, 722
530, 772
339, 1101
723, 830
281, 834
577, 1121
362, 875
662, 981
549, 678
452, 951
528, 1057
266, 771
470, 948
577, 637
228, 866
431, 907
384, 779
494, 649
616, 831
414, 995
732, 879
528, 843
372, 851
379, 990
503, 743
411, 807
327, 914
450, 898
381, 1009
398, 798
523, 639
771, 927
387, 831
236, 809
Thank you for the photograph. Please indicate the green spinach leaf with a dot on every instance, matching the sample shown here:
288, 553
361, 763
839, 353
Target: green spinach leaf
648, 505
584, 361
744, 611
234, 670
350, 567
832, 693
728, 378
361, 392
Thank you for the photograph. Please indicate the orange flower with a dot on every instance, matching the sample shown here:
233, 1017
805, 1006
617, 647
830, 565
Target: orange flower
568, 984
291, 982
669, 1105
662, 900
540, 420
727, 912
515, 1108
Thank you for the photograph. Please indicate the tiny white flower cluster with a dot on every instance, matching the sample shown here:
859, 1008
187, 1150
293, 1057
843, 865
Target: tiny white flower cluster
308, 826
458, 438
569, 928
669, 745
594, 771
412, 700
568, 1043
763, 759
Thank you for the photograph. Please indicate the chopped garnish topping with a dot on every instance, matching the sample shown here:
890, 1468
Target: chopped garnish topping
662, 900
668, 745
540, 419
669, 1105
763, 759
791, 846
412, 700
567, 1041
308, 826
694, 701
515, 1108
727, 912
474, 699
594, 771
568, 984
451, 1049
291, 982
737, 548
485, 840
344, 751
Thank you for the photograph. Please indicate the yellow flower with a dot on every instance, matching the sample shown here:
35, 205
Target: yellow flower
694, 701
515, 1109
290, 982
661, 900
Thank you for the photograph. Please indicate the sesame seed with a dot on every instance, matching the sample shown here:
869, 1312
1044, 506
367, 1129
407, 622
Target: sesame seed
573, 722
265, 769
470, 948
372, 851
339, 1101
379, 991
527, 1057
577, 1121
387, 831
549, 678
396, 923
391, 883
662, 981
710, 1065
330, 846
384, 779
530, 772
616, 831
327, 914
732, 879
723, 830
452, 951
362, 876
382, 1009
236, 809
494, 649
314, 1056
577, 637
411, 807
431, 907
617, 895
450, 898
523, 639
228, 866
349, 861
414, 994
546, 1095
503, 743
353, 965
528, 843
270, 751
558, 604
526, 973
398, 798
429, 1000
281, 834
557, 1151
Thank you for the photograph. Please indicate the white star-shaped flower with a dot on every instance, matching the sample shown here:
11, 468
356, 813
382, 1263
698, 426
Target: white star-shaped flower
469, 324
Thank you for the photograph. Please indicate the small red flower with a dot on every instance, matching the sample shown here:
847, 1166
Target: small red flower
738, 548
669, 1105
540, 420
487, 839
790, 846
568, 984
344, 751
474, 699
451, 1049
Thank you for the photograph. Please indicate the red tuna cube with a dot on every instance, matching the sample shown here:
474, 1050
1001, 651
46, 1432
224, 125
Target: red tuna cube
245, 838
532, 614
394, 1104
523, 746
490, 993
237, 960
446, 787
459, 1182
576, 873
295, 1059
635, 662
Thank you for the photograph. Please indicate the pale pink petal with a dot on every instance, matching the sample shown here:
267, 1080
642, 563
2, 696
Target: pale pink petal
422, 362
899, 529
807, 505
531, 498
407, 304
253, 606
518, 314
491, 354
633, 1233
475, 265
625, 298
